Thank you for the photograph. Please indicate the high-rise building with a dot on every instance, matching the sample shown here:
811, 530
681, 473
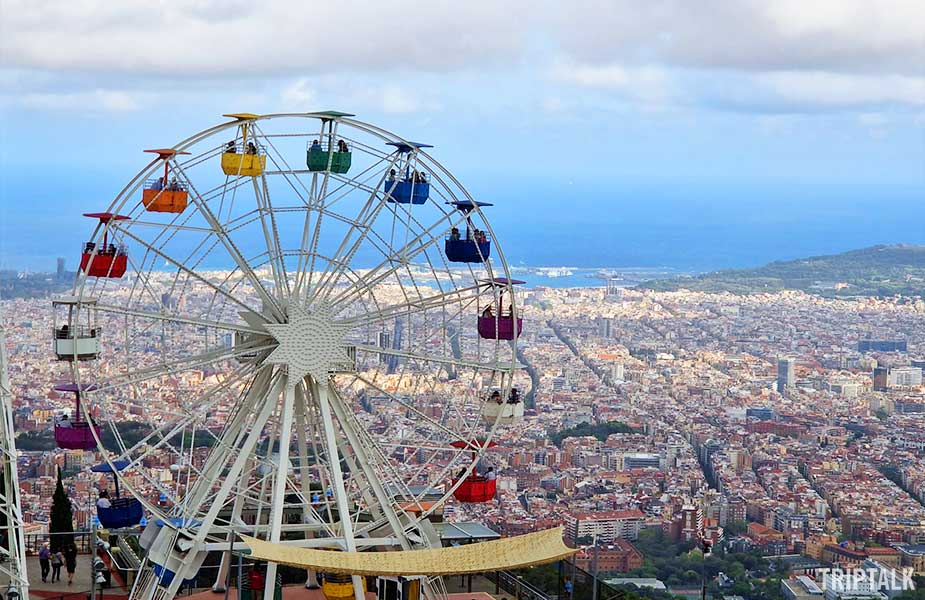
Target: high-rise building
60, 271
786, 376
384, 340
904, 377
394, 361
881, 379
604, 326
617, 371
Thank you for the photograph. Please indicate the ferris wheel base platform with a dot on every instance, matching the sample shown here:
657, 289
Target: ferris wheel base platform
300, 592
535, 548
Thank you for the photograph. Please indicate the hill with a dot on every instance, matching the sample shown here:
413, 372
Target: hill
875, 271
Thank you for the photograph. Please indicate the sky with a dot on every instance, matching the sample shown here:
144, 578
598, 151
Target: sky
691, 134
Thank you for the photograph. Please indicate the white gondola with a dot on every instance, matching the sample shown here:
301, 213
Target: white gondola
75, 333
510, 413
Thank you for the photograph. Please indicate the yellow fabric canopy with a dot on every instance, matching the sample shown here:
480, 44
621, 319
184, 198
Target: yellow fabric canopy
497, 555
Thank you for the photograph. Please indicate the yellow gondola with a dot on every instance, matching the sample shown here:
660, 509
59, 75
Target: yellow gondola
247, 159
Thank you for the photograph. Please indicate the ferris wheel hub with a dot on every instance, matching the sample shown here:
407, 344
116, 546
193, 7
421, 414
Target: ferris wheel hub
310, 342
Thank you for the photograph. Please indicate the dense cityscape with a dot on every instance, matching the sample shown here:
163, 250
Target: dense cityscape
782, 424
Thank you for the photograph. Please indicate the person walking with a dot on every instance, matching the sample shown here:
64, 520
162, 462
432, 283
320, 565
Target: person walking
45, 561
70, 562
57, 559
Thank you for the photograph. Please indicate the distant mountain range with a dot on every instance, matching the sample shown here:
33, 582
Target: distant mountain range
875, 271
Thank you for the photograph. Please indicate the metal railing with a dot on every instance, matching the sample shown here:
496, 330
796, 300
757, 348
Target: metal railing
33, 541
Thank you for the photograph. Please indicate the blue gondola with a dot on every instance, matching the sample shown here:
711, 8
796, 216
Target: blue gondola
407, 186
123, 512
474, 247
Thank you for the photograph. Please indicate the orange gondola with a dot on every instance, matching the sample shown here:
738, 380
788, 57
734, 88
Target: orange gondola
165, 194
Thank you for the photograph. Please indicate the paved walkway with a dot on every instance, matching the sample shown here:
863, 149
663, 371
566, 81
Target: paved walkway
81, 583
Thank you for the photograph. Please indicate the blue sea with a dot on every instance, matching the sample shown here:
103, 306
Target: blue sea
669, 226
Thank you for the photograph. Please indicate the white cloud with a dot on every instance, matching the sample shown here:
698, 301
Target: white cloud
298, 96
395, 100
754, 35
748, 55
247, 39
844, 91
90, 101
649, 85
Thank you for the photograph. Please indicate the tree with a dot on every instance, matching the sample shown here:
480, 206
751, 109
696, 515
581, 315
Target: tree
62, 518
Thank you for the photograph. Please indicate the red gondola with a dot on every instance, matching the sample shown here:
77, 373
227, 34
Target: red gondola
501, 326
107, 260
75, 434
164, 194
474, 488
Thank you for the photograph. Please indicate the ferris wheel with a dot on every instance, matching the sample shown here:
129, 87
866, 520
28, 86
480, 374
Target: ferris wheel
297, 326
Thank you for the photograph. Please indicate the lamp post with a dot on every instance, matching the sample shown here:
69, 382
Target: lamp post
594, 567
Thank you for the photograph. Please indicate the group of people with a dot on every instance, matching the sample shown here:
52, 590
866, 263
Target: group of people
51, 562
62, 420
477, 234
316, 146
488, 475
416, 176
110, 250
232, 148
172, 186
490, 311
513, 397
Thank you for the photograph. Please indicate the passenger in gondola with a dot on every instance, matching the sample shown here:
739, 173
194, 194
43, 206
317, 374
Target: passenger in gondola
173, 185
64, 332
103, 500
514, 397
158, 184
480, 236
230, 148
495, 397
454, 234
63, 421
316, 146
89, 248
111, 250
490, 474
342, 146
251, 148
488, 312
422, 176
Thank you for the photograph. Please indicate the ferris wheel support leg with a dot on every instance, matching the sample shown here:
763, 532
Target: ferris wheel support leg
374, 482
365, 464
221, 579
321, 393
311, 580
279, 485
187, 569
